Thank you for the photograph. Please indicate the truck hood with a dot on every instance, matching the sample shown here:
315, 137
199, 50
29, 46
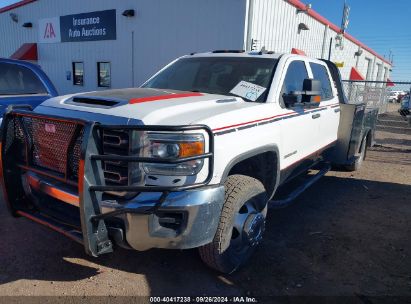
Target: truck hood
151, 106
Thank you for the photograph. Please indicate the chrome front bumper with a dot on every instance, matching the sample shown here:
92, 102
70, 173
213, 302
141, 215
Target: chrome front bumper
186, 219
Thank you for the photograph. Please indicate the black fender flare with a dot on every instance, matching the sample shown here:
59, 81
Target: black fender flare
252, 153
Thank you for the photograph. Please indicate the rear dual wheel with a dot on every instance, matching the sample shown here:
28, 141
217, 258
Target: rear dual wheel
241, 226
358, 162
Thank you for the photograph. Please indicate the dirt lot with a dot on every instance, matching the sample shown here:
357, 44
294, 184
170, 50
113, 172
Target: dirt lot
350, 234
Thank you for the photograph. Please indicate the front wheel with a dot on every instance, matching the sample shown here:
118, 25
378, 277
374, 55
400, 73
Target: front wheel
241, 226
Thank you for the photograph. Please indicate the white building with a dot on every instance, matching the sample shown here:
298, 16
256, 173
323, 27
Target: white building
86, 45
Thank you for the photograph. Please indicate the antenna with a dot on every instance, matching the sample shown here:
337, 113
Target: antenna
339, 39
345, 18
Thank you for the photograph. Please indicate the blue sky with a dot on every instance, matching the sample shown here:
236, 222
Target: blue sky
6, 2
383, 25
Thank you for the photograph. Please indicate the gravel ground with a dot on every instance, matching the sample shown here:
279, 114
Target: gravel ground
350, 234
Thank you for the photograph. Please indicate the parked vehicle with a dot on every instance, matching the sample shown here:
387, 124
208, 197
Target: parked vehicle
191, 159
396, 96
405, 106
22, 82
392, 96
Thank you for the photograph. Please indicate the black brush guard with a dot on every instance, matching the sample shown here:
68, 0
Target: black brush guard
91, 182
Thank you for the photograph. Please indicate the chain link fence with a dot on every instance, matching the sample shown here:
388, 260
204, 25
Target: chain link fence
392, 99
377, 94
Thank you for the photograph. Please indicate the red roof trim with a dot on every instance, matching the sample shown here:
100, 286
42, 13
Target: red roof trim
390, 83
298, 52
163, 97
15, 5
300, 5
356, 75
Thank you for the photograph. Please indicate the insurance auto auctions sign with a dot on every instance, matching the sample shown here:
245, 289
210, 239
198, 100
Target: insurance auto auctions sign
91, 26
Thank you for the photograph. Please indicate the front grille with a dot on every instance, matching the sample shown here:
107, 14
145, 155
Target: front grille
52, 145
116, 142
74, 153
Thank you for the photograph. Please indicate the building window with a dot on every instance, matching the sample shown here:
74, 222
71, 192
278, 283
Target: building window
104, 74
78, 73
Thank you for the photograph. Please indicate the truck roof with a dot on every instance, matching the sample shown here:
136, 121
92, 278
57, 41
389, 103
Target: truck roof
234, 53
20, 62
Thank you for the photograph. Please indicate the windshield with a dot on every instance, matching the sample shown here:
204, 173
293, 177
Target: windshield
19, 80
248, 78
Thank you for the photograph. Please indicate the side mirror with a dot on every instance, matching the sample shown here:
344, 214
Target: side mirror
310, 95
312, 89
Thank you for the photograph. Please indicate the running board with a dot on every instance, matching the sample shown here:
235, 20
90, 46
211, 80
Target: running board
55, 225
277, 204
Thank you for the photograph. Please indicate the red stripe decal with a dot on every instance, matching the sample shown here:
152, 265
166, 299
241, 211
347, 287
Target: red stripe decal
253, 121
267, 118
163, 97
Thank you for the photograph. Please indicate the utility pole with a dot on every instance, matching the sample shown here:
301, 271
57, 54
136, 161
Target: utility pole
339, 39
329, 50
345, 19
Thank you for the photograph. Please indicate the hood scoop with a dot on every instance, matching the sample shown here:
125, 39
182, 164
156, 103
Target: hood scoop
94, 102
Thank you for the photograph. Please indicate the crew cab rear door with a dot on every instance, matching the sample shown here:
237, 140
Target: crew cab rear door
329, 105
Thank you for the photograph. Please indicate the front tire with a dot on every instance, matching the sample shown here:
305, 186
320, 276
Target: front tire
241, 226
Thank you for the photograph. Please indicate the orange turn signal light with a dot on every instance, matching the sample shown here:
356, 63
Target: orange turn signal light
188, 149
317, 98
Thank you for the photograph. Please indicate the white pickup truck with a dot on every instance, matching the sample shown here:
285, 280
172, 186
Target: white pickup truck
193, 158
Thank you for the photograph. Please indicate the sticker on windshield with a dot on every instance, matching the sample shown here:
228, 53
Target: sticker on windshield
248, 90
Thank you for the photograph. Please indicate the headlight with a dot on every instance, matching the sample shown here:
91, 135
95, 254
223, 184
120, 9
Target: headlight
173, 146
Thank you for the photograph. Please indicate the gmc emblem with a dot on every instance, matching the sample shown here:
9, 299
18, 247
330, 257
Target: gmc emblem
50, 128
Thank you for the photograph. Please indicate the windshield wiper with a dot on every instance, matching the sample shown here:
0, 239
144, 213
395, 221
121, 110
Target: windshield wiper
222, 93
235, 95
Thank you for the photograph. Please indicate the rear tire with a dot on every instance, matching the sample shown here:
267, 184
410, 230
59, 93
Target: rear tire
363, 152
241, 226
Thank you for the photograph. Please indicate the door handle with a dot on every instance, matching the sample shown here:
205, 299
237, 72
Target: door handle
337, 110
315, 116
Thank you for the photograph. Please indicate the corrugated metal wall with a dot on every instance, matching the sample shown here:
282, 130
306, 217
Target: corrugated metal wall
163, 30
275, 26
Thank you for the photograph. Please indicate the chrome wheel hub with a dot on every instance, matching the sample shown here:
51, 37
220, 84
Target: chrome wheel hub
254, 228
248, 227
